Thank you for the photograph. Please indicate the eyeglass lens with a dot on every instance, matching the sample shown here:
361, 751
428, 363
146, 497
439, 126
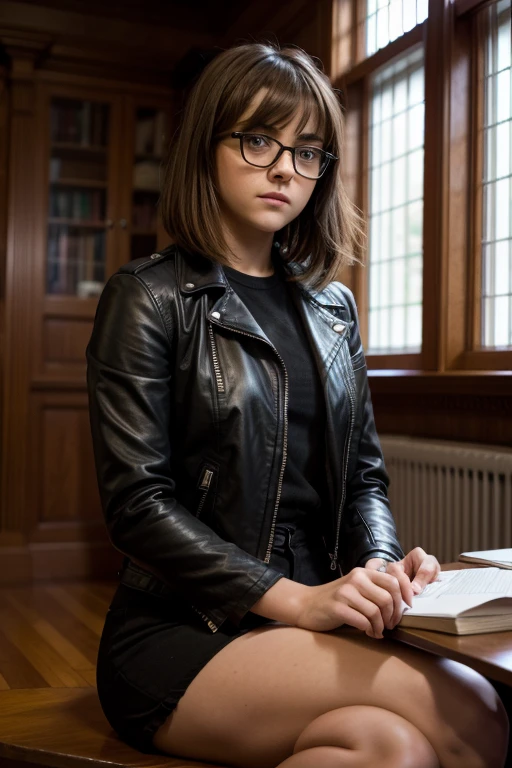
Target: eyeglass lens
262, 151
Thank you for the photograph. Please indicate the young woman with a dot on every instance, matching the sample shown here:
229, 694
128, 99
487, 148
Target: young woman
239, 468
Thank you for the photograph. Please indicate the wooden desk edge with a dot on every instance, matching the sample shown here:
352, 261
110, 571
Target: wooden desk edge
436, 642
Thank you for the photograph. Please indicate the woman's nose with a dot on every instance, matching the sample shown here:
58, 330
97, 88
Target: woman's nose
284, 165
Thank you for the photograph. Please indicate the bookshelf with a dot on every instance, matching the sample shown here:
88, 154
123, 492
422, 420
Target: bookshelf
104, 175
77, 196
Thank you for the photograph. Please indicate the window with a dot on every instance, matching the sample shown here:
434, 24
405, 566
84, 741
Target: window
386, 20
396, 206
496, 316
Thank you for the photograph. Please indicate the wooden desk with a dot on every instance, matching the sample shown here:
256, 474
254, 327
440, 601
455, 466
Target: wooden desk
490, 654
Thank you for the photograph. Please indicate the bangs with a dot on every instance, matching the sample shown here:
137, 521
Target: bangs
288, 94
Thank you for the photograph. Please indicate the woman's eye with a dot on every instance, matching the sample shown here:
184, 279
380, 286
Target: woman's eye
257, 141
308, 154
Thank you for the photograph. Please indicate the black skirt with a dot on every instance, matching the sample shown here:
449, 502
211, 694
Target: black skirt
152, 647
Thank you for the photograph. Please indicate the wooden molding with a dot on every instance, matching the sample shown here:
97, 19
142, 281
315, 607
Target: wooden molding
54, 560
469, 6
70, 41
18, 286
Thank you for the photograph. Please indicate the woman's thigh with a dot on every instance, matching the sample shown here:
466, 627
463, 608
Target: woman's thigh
258, 694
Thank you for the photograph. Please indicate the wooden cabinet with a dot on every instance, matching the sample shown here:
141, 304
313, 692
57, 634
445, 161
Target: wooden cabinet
102, 157
84, 184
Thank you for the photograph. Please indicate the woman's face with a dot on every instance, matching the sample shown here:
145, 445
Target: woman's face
241, 186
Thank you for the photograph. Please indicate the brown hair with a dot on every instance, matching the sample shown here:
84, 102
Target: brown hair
326, 235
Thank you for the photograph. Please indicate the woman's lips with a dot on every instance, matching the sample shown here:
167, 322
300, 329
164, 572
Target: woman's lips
274, 201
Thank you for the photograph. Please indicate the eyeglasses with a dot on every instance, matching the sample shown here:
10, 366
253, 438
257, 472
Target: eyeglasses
263, 151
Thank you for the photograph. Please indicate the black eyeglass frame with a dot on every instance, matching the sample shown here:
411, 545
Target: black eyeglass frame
330, 157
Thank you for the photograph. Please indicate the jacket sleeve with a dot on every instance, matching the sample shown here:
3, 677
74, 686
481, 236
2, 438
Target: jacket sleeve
129, 380
368, 526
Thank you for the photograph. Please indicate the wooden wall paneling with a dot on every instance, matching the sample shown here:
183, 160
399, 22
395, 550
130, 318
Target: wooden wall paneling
469, 6
480, 31
63, 487
65, 530
343, 38
470, 406
359, 12
437, 58
64, 343
4, 145
264, 20
19, 289
456, 257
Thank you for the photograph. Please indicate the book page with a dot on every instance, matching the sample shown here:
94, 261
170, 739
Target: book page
497, 555
455, 592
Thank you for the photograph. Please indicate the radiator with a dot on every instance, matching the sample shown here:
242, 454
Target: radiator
449, 497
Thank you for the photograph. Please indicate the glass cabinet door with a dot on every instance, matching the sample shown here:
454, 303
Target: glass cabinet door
149, 146
78, 185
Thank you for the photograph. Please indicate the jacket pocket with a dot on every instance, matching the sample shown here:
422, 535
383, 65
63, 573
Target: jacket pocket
206, 489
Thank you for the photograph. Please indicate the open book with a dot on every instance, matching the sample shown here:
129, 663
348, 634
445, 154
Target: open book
464, 602
500, 557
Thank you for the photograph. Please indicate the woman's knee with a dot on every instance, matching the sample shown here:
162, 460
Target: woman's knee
377, 737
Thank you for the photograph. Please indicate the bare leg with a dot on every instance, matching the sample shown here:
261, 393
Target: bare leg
253, 701
361, 737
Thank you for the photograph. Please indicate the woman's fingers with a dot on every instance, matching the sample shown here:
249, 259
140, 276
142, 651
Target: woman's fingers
368, 609
397, 571
427, 572
385, 591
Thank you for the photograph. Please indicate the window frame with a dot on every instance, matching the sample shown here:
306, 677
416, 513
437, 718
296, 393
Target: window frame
452, 254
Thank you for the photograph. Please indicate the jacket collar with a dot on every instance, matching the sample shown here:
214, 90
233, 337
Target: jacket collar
196, 273
323, 311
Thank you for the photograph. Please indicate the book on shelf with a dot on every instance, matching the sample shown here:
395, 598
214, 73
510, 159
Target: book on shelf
63, 262
501, 558
463, 602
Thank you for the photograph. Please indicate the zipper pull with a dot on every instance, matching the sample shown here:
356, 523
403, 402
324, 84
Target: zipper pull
334, 561
207, 479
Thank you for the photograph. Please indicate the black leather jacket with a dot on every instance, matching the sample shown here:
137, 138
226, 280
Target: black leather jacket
188, 404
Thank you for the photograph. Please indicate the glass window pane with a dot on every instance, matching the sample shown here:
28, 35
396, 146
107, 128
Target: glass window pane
415, 174
399, 188
384, 252
386, 20
497, 181
396, 214
413, 327
503, 94
396, 28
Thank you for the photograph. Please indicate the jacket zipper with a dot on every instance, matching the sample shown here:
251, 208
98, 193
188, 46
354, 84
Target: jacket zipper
334, 556
205, 487
285, 431
216, 366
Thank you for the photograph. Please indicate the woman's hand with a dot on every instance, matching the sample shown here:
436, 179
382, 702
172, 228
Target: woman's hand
365, 598
414, 571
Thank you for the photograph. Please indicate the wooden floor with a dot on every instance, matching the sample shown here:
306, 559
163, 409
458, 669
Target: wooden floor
50, 632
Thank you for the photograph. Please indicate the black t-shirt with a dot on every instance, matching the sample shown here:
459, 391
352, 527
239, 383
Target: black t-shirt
268, 299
